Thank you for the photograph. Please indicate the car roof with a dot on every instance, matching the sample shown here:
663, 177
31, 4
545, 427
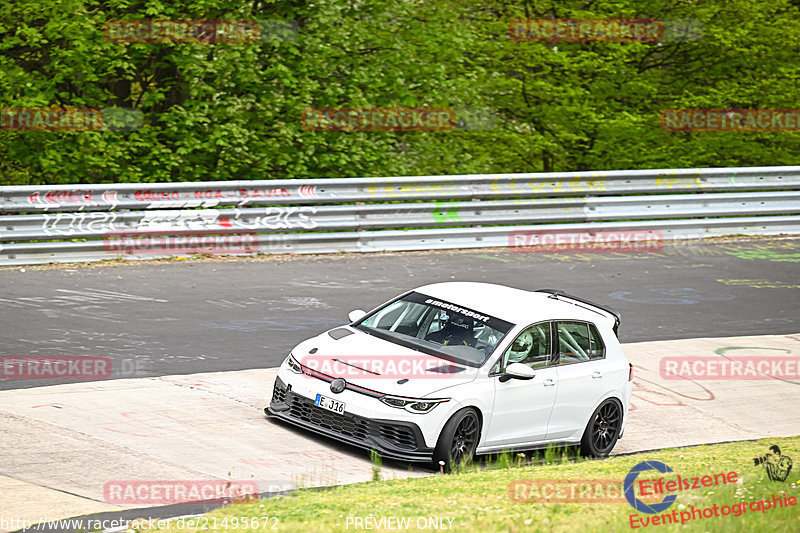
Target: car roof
519, 306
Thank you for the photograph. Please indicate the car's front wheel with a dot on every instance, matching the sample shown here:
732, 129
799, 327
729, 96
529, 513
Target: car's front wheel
602, 431
458, 439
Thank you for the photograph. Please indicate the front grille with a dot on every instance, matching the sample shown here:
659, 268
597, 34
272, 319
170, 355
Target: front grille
350, 425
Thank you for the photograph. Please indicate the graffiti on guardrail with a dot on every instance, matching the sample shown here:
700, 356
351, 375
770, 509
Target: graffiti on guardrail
56, 198
519, 206
498, 186
445, 211
289, 217
270, 218
571, 185
209, 194
148, 198
72, 223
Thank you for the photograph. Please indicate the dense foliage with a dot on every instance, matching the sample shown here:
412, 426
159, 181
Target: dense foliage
222, 111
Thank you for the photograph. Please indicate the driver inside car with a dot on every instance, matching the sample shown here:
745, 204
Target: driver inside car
521, 348
456, 329
530, 348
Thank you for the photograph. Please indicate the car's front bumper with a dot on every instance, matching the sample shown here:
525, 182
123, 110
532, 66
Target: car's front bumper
392, 438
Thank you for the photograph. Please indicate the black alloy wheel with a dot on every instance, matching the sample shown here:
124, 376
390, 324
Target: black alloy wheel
458, 439
602, 431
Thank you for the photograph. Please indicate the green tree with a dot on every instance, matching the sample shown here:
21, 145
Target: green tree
222, 111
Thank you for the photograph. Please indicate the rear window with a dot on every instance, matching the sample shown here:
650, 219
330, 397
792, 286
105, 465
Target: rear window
579, 342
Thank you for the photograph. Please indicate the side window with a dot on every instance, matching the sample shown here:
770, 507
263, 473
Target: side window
574, 342
531, 347
597, 348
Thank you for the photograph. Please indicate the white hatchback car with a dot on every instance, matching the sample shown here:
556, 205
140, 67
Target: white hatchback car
452, 370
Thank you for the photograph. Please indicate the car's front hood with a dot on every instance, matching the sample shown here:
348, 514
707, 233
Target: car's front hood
382, 366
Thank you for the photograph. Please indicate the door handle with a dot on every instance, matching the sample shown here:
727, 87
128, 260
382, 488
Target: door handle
596, 375
549, 382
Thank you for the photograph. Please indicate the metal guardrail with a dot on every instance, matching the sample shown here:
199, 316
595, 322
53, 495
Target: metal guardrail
67, 223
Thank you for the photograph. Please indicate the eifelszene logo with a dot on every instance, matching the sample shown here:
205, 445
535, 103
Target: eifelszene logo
668, 487
776, 464
630, 495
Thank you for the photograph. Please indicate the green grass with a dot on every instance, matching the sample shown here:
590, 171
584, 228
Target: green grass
477, 497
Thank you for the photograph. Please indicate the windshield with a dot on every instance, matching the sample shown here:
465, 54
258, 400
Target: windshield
438, 328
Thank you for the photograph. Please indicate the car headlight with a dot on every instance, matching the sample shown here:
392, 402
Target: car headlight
293, 365
413, 405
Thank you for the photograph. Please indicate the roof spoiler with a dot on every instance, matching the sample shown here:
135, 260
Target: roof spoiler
557, 294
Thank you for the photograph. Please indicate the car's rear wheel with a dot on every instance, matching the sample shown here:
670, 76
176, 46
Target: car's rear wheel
602, 431
458, 439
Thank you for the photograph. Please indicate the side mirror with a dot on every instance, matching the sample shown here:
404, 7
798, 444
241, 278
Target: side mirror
356, 315
517, 371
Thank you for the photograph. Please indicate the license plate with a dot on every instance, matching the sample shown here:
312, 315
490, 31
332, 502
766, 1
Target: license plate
330, 404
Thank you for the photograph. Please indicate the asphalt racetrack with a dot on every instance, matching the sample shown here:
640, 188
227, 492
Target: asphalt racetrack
194, 345
190, 316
